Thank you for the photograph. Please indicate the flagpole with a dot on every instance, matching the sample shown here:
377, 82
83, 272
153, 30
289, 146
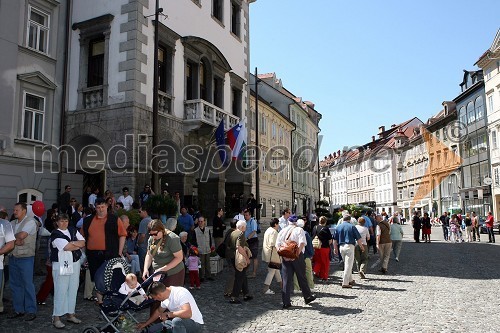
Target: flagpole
257, 155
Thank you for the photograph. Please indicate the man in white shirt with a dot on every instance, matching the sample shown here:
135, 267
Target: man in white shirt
93, 197
297, 266
126, 199
240, 216
284, 218
182, 312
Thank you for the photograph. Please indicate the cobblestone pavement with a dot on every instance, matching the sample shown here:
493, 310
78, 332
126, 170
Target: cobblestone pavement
436, 287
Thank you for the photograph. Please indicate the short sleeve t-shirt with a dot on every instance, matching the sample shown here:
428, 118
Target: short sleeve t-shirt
251, 227
364, 232
60, 243
178, 297
164, 256
96, 229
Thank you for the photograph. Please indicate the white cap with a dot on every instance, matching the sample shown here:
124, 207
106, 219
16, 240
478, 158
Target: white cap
300, 223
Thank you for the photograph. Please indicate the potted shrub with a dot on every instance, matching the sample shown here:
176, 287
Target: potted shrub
161, 207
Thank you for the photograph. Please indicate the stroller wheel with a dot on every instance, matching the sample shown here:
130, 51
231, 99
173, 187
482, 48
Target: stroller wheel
91, 329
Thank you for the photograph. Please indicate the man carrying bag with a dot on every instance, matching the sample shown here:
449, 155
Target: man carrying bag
286, 238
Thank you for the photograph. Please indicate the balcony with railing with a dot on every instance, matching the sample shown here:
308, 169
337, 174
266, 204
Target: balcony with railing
198, 112
93, 97
164, 103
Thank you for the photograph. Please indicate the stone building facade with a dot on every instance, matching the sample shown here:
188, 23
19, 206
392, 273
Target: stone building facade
202, 76
32, 49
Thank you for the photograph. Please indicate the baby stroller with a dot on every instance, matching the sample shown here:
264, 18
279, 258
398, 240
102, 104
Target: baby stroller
116, 308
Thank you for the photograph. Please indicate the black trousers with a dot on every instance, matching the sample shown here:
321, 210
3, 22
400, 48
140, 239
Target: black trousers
288, 268
416, 234
240, 282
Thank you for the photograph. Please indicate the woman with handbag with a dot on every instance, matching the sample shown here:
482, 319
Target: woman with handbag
271, 257
65, 252
239, 257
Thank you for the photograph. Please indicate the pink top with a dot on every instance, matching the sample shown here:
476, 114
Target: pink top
193, 262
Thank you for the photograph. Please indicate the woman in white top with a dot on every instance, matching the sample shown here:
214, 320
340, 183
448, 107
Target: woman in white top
65, 286
270, 254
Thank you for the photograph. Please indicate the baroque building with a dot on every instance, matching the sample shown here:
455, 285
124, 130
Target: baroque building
304, 163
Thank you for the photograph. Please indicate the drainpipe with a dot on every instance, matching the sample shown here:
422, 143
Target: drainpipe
291, 160
64, 91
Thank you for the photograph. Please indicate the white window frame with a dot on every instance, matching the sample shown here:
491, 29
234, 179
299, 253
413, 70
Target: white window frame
39, 27
25, 109
29, 193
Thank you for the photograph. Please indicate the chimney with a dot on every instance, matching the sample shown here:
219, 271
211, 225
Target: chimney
373, 138
381, 129
338, 153
393, 125
326, 157
330, 156
334, 155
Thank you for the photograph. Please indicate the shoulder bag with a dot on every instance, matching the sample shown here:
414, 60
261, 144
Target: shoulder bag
221, 249
289, 249
274, 265
316, 242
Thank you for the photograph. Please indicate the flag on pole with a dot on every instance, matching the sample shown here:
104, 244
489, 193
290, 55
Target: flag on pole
221, 142
236, 138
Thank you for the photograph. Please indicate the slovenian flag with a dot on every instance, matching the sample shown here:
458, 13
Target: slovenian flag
236, 139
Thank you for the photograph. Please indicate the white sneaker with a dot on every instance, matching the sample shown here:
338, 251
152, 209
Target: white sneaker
269, 292
397, 259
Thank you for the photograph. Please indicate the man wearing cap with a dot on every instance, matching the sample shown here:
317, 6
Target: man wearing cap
297, 266
177, 306
344, 238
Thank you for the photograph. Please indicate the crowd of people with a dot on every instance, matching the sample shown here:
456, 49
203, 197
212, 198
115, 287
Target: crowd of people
454, 227
297, 252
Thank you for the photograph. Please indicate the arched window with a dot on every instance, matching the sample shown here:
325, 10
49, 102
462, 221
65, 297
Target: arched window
463, 115
479, 108
471, 116
29, 196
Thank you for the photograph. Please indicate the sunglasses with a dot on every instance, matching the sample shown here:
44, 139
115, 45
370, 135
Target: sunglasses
153, 233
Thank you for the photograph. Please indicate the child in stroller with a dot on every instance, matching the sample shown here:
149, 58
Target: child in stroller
132, 286
117, 308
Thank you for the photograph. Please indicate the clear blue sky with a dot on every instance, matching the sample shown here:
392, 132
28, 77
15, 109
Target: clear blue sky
370, 63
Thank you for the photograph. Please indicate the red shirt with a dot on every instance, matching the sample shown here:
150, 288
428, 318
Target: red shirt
489, 221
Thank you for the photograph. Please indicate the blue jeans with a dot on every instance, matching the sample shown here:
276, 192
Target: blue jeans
491, 234
445, 232
21, 284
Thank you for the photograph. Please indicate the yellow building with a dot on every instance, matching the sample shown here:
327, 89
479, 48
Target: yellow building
275, 181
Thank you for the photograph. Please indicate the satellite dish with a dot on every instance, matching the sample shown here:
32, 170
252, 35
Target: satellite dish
487, 181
